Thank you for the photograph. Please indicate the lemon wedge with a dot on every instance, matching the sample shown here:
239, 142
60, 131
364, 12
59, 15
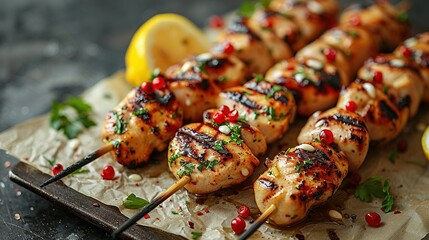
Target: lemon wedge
160, 42
425, 143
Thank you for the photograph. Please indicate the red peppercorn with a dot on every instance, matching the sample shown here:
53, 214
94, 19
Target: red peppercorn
158, 83
355, 21
373, 219
378, 77
219, 117
354, 178
228, 48
146, 87
402, 146
233, 115
268, 23
238, 225
108, 172
244, 211
406, 52
351, 106
57, 168
216, 21
330, 54
225, 109
326, 136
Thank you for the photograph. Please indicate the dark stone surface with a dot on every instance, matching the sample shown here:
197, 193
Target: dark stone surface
53, 48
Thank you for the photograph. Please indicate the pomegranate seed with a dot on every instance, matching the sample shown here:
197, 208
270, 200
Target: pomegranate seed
225, 109
228, 48
330, 54
146, 216
108, 173
219, 117
396, 212
356, 21
191, 224
351, 106
238, 225
406, 52
402, 146
199, 213
216, 21
373, 219
378, 77
354, 178
57, 168
146, 87
233, 116
268, 23
158, 83
206, 210
244, 211
326, 136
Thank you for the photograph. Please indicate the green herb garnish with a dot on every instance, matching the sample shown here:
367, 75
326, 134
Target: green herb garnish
115, 143
173, 158
133, 202
186, 169
403, 17
208, 165
375, 187
392, 156
218, 145
140, 112
154, 74
236, 134
80, 170
71, 117
51, 161
258, 77
121, 125
196, 235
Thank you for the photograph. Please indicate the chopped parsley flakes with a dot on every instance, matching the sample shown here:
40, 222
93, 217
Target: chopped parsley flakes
186, 169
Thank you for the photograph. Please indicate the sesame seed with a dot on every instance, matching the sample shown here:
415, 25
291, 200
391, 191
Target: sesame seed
135, 177
306, 147
335, 214
186, 66
204, 56
397, 63
245, 172
319, 123
314, 64
224, 129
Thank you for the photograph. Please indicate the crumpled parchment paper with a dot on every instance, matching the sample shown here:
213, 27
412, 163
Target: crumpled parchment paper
34, 140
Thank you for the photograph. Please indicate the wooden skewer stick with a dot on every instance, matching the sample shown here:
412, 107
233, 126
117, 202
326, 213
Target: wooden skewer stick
84, 161
258, 222
153, 204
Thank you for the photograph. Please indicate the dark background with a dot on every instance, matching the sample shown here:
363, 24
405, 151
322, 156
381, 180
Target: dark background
52, 47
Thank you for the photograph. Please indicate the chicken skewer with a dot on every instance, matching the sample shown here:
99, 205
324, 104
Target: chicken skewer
196, 83
380, 99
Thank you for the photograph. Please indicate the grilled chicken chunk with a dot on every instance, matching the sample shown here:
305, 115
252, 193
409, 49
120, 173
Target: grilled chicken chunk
298, 179
140, 124
350, 133
262, 24
312, 17
386, 22
319, 50
384, 114
357, 44
191, 86
314, 84
397, 73
213, 160
241, 41
416, 49
251, 136
266, 106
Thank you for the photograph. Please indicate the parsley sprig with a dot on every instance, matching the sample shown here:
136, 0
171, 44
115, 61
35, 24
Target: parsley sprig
132, 201
376, 187
71, 117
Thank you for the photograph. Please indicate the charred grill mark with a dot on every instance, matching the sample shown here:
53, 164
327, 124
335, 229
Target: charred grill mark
188, 75
332, 80
257, 86
268, 184
239, 26
205, 140
356, 138
346, 120
243, 99
214, 62
404, 102
164, 99
387, 111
